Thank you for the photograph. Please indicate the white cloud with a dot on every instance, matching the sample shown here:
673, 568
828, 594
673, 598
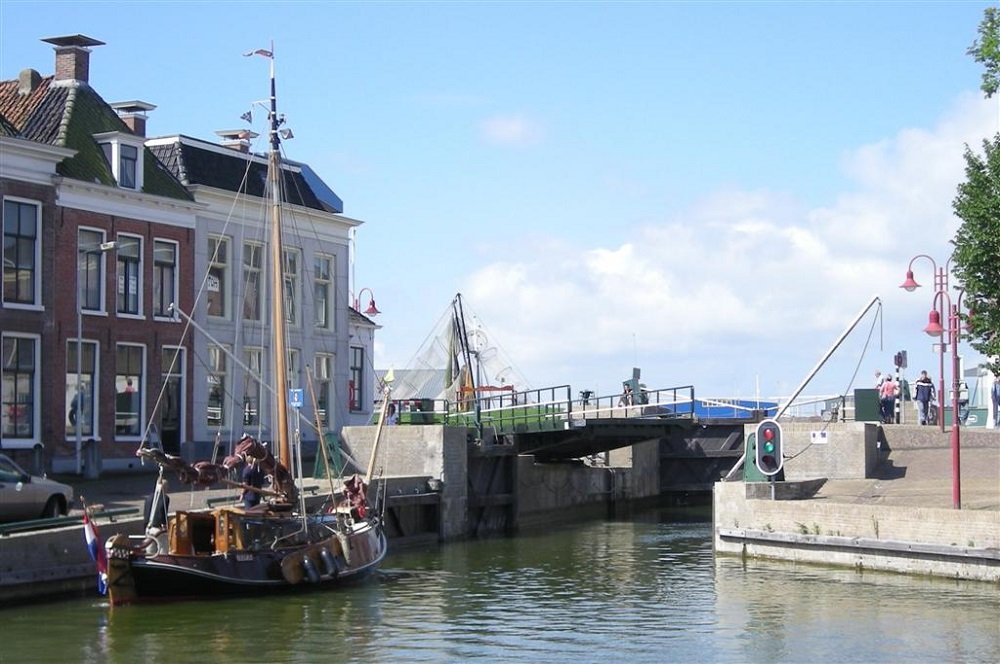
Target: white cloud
516, 130
743, 279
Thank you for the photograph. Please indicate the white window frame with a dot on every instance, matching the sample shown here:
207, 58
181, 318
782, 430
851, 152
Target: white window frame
226, 267
140, 389
327, 284
116, 140
157, 293
36, 303
102, 256
35, 439
122, 239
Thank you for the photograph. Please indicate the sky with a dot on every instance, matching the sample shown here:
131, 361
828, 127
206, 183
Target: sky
711, 192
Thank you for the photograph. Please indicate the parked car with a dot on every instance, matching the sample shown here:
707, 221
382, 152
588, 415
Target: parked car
26, 496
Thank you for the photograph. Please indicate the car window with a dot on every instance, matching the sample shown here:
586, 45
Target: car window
10, 471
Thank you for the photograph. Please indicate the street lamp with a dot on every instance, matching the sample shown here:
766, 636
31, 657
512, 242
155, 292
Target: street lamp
98, 250
940, 286
372, 310
942, 305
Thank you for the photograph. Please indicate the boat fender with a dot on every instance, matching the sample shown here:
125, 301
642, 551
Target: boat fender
310, 567
329, 564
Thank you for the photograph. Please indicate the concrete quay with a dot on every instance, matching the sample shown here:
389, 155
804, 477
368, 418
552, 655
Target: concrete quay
895, 514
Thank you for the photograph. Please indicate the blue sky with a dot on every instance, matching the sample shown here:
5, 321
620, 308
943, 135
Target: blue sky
708, 191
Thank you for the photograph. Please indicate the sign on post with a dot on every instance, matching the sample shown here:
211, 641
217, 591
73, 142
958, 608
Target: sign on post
295, 399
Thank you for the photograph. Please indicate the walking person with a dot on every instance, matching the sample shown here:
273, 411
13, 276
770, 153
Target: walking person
925, 395
887, 394
995, 395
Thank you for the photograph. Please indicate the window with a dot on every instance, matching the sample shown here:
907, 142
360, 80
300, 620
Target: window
321, 287
355, 387
129, 379
127, 160
218, 270
129, 253
291, 287
292, 368
122, 152
80, 395
216, 386
21, 250
164, 277
91, 270
252, 387
252, 258
323, 372
18, 372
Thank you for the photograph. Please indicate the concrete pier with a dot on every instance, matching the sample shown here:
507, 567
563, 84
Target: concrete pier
871, 497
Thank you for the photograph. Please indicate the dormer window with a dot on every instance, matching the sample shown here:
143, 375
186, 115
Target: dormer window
123, 152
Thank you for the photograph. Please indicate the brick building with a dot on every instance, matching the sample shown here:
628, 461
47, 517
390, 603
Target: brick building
106, 234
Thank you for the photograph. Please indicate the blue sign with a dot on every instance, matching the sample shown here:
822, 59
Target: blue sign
295, 398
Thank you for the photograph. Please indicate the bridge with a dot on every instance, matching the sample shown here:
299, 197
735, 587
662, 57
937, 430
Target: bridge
698, 439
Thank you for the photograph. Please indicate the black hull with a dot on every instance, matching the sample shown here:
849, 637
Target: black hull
164, 576
178, 579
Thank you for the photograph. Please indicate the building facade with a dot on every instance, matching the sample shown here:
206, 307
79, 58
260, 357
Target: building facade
120, 250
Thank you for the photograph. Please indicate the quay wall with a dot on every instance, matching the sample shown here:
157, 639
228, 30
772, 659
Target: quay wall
940, 542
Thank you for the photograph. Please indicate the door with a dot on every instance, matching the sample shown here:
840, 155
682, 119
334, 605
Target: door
172, 405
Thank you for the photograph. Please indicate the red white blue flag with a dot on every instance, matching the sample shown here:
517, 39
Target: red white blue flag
96, 552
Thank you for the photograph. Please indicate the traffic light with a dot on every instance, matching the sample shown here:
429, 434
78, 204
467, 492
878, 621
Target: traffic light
768, 448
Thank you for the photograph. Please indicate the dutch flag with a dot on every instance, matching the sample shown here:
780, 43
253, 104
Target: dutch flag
96, 553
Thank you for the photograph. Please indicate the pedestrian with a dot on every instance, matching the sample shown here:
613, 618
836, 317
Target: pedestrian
925, 395
253, 478
995, 393
887, 394
879, 379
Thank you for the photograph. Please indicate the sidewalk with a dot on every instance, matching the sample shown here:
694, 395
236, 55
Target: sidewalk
922, 478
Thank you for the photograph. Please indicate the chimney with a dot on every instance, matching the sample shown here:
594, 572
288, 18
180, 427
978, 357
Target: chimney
73, 57
133, 114
237, 139
28, 81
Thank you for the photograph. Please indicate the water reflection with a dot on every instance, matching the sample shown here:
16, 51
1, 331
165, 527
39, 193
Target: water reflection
645, 590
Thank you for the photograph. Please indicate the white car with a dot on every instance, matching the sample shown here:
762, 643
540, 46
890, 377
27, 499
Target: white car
25, 496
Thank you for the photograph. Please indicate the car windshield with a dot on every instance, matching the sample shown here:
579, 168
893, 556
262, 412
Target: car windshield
10, 471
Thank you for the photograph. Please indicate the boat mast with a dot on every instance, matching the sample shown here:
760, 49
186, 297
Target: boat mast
278, 281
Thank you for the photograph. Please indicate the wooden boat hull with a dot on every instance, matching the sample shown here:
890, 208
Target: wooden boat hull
142, 574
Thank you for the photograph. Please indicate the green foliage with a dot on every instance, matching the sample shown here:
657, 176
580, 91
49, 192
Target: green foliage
986, 51
977, 248
977, 242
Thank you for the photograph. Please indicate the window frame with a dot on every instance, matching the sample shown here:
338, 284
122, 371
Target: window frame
322, 289
222, 267
129, 263
10, 403
36, 255
138, 379
161, 309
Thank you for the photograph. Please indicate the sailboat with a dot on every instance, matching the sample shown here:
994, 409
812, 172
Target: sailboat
239, 550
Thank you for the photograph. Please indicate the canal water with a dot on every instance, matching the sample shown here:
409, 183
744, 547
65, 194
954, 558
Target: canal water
646, 589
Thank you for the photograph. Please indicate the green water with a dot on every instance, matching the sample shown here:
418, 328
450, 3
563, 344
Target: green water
643, 590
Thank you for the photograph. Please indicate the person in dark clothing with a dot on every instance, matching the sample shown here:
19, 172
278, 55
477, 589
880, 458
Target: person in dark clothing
253, 476
924, 396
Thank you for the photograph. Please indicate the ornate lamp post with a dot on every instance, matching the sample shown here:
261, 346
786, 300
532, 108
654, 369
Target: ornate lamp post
940, 286
372, 310
941, 306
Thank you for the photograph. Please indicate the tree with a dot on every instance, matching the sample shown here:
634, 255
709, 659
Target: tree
977, 248
977, 242
986, 51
